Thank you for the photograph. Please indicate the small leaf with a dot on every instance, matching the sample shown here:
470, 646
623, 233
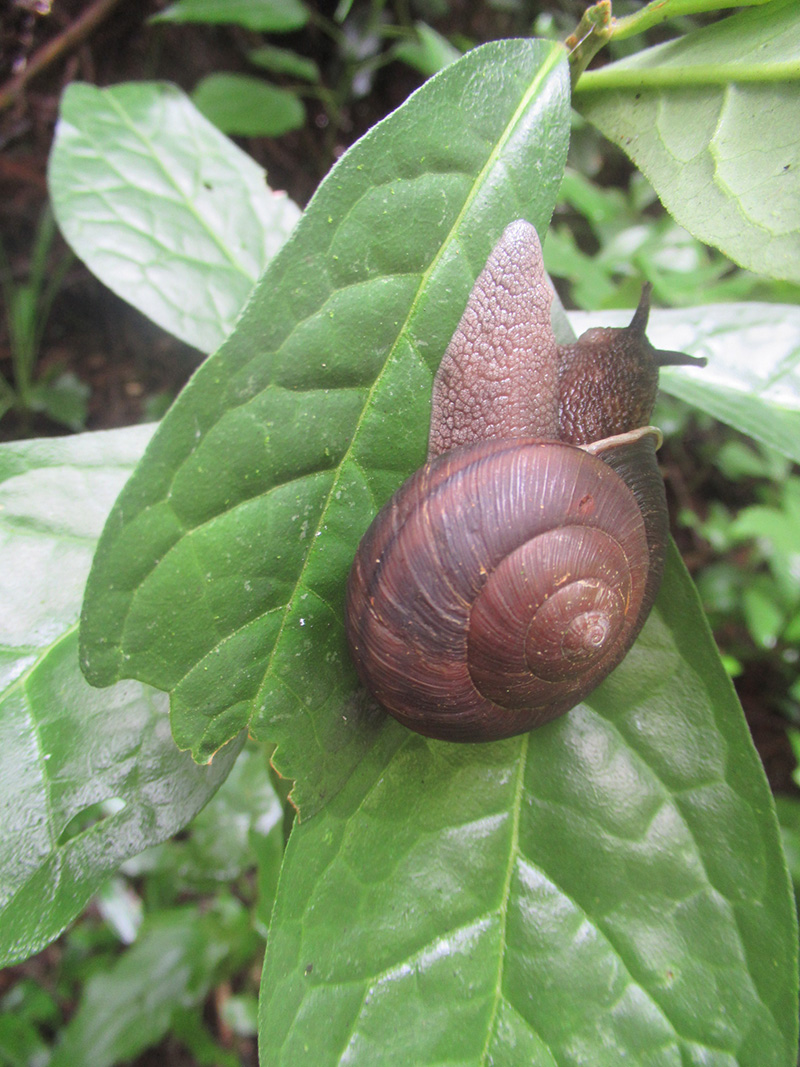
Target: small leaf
607, 889
162, 207
65, 399
221, 575
248, 107
763, 616
283, 61
87, 779
271, 16
752, 381
788, 810
428, 52
711, 120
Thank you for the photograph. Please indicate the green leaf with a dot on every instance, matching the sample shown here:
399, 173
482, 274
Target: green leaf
788, 810
283, 61
162, 207
778, 528
658, 11
227, 839
188, 1027
763, 616
711, 120
248, 107
220, 576
241, 1014
272, 16
25, 1011
20, 1042
87, 779
171, 966
752, 381
427, 52
606, 889
65, 398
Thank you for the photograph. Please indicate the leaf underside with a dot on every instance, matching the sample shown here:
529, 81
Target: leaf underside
719, 139
162, 207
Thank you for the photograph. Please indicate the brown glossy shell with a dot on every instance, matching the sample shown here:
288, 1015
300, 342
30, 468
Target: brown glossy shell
503, 582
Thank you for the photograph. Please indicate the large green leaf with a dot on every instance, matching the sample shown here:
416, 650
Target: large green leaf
752, 381
606, 889
711, 120
87, 779
426, 51
220, 575
162, 207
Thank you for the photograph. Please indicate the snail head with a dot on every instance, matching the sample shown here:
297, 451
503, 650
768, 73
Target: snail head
608, 379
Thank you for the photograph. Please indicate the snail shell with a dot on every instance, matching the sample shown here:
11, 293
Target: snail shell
510, 574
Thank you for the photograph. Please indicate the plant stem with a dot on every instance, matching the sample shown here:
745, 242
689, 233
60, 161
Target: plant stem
8, 398
48, 53
592, 33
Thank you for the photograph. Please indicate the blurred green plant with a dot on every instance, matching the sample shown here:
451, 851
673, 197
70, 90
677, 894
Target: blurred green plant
194, 912
751, 582
206, 900
57, 393
606, 241
363, 40
788, 809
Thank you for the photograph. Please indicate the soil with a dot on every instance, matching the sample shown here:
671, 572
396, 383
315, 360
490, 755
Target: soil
133, 368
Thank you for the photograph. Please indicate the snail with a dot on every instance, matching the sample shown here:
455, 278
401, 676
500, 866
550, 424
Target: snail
510, 574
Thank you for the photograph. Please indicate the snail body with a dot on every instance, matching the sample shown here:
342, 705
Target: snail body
510, 574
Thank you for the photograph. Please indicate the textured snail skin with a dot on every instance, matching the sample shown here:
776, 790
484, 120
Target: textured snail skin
499, 375
512, 573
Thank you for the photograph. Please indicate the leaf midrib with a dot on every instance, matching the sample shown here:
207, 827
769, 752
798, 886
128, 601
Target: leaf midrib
513, 856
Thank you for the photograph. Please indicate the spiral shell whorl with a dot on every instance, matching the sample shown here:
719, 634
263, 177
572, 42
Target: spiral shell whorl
476, 608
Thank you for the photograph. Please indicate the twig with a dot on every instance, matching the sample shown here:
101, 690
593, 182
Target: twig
65, 42
593, 31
